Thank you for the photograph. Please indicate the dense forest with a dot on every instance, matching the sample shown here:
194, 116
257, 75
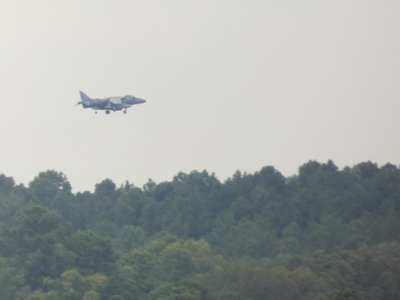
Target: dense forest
325, 234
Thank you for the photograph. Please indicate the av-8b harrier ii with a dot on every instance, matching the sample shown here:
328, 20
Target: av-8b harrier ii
110, 103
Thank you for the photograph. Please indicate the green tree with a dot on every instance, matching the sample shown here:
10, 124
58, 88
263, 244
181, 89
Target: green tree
179, 291
72, 285
35, 239
129, 237
94, 253
6, 185
47, 186
12, 284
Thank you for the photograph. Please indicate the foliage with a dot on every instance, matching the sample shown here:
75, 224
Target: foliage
325, 234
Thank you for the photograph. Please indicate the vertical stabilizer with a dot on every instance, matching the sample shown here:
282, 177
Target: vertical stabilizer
85, 98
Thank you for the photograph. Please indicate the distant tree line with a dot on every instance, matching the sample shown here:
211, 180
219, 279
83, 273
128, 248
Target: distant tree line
324, 234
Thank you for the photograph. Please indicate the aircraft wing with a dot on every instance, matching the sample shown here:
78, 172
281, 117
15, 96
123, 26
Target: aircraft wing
115, 100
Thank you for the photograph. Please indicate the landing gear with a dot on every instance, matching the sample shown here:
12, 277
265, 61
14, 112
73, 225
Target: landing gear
125, 111
107, 112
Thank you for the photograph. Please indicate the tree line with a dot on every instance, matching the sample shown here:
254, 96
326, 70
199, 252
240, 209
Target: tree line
324, 234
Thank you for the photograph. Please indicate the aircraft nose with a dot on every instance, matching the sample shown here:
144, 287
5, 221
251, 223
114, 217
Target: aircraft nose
134, 100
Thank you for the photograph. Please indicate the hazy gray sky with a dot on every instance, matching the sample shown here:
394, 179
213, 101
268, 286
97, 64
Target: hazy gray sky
230, 85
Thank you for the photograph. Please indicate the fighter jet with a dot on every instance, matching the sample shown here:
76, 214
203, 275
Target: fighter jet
110, 103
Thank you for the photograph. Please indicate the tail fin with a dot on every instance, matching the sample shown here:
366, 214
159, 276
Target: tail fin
85, 98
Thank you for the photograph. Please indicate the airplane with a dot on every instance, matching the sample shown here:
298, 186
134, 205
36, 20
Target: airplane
110, 103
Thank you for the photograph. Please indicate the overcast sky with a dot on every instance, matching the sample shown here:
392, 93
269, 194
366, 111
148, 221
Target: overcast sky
230, 85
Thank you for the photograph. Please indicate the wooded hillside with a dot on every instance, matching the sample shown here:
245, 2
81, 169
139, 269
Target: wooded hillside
322, 234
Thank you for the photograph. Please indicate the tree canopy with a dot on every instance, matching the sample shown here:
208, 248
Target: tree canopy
324, 234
